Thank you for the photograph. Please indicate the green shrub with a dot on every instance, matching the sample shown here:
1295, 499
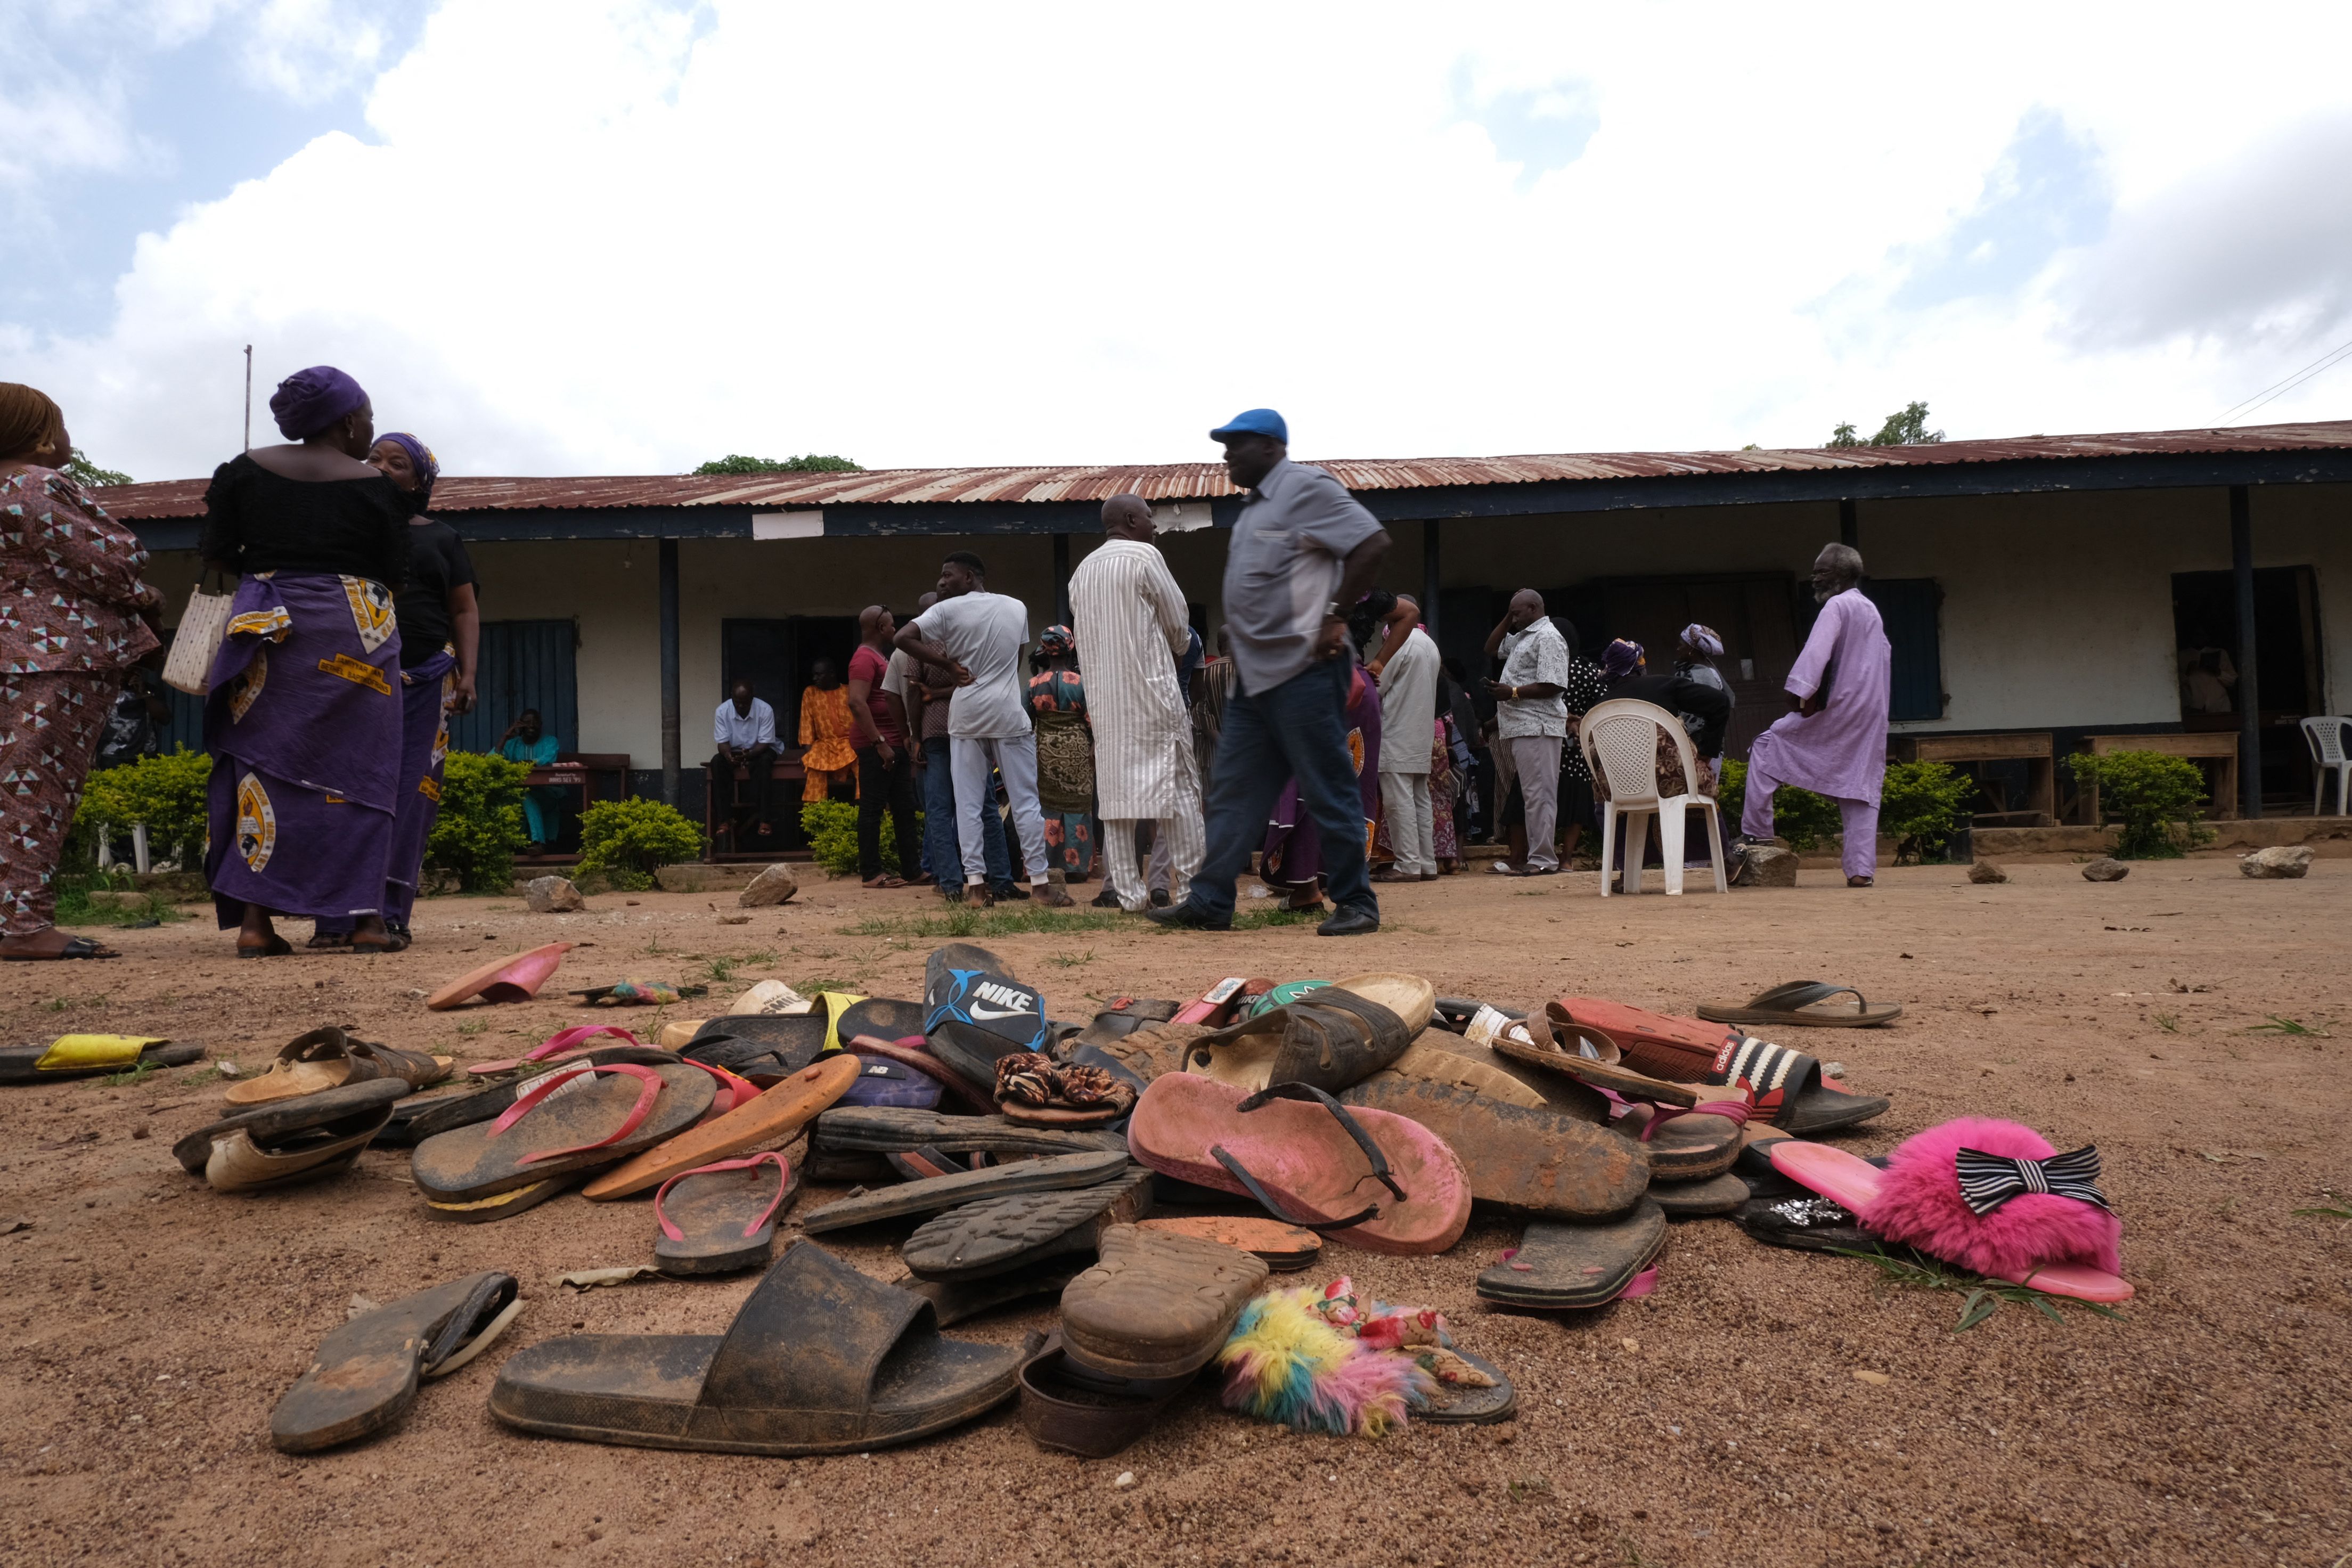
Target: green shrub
1923, 805
831, 829
629, 840
2159, 801
1805, 819
166, 791
481, 825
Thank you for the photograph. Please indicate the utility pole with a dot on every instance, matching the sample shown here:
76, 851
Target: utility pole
248, 397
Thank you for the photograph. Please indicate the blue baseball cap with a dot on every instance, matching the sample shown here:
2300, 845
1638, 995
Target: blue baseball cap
1254, 422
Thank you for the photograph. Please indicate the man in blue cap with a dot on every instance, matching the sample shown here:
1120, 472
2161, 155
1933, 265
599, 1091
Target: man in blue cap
1301, 551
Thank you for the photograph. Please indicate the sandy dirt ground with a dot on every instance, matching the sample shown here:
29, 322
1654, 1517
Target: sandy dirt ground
153, 1323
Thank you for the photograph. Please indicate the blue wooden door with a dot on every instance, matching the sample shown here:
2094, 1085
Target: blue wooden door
523, 664
1911, 607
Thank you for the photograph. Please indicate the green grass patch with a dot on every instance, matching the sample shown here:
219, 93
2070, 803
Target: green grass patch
1980, 1298
813, 989
75, 907
2278, 1025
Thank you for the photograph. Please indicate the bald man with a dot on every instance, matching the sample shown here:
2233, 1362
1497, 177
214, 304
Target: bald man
1833, 742
1129, 617
886, 762
1531, 723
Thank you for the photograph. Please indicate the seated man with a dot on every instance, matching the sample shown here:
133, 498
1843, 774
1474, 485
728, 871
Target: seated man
744, 729
542, 805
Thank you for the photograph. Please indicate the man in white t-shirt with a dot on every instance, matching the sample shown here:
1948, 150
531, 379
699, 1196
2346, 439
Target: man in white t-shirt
980, 635
744, 731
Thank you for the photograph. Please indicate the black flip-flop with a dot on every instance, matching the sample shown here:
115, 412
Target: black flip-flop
1469, 1406
1557, 1267
366, 1373
934, 1195
999, 1235
722, 1217
79, 1055
75, 947
820, 1360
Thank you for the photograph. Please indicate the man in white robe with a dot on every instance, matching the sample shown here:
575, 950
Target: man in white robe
1129, 619
1408, 725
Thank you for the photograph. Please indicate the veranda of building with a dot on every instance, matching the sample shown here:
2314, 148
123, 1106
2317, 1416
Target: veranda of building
2041, 584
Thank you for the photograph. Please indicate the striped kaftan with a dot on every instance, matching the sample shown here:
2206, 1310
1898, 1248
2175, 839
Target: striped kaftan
1129, 619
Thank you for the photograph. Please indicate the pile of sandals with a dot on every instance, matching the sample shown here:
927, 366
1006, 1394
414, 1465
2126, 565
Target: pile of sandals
1154, 1168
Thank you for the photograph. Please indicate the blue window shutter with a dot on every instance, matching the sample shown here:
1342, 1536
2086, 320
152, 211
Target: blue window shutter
522, 664
1911, 607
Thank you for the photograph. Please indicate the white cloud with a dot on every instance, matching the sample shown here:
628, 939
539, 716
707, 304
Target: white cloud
610, 235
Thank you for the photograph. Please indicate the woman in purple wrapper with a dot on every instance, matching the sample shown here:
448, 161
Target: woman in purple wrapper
440, 632
304, 719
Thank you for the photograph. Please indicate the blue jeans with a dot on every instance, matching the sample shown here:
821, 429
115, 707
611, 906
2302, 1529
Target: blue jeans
1295, 729
942, 856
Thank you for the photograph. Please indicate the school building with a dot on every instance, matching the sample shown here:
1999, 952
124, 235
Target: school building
2041, 593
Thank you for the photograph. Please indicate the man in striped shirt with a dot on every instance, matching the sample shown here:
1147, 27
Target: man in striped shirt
1129, 617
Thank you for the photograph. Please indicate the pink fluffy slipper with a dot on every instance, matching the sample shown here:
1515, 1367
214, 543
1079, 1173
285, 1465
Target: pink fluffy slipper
2019, 1218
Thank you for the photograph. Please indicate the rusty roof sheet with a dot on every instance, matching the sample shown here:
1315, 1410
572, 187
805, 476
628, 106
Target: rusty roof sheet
1194, 481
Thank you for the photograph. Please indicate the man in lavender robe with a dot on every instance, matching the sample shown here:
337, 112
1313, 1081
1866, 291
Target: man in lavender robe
1835, 742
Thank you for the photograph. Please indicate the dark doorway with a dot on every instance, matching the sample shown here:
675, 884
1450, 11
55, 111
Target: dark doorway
1752, 612
2286, 635
2288, 668
776, 657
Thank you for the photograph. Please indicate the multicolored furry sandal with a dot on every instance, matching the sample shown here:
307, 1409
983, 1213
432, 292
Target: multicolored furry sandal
1288, 1364
1992, 1196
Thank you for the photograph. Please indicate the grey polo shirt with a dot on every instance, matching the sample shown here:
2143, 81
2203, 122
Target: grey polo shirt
1282, 566
1535, 656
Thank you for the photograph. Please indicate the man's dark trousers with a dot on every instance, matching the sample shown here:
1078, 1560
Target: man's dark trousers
886, 786
1297, 728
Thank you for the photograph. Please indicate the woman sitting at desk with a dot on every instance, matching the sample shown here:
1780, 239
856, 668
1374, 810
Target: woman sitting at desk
525, 742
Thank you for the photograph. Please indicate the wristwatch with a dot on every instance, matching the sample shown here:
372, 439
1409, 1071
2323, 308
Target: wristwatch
1514, 694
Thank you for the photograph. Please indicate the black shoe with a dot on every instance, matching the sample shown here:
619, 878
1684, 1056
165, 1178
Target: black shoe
1190, 917
1008, 891
1105, 899
1160, 898
1351, 923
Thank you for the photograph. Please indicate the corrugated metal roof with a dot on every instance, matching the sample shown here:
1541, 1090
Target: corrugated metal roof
1194, 481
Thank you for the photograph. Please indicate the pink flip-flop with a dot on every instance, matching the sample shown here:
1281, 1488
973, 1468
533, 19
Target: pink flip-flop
724, 1218
515, 979
1371, 1178
1858, 1187
555, 1045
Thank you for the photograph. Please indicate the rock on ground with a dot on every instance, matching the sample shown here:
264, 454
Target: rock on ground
2106, 869
1768, 866
2277, 862
551, 895
1986, 871
772, 886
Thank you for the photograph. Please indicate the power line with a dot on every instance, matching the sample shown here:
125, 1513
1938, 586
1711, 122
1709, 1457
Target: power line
2276, 389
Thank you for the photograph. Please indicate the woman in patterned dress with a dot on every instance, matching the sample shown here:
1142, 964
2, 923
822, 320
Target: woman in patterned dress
304, 719
74, 614
1065, 754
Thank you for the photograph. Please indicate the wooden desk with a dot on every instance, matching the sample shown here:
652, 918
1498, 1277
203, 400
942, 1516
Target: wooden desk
2216, 747
722, 789
2034, 749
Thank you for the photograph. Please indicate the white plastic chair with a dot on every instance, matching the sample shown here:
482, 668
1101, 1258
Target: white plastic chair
2326, 737
1621, 747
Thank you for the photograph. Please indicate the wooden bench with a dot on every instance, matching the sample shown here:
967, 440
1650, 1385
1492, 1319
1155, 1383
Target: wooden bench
2034, 749
2216, 747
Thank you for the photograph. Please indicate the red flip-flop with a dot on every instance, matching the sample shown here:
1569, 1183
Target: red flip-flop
1371, 1178
723, 1215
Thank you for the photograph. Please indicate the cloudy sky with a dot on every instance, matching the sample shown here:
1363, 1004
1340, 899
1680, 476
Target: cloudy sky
623, 236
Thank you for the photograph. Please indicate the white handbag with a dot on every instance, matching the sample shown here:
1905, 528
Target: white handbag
189, 666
